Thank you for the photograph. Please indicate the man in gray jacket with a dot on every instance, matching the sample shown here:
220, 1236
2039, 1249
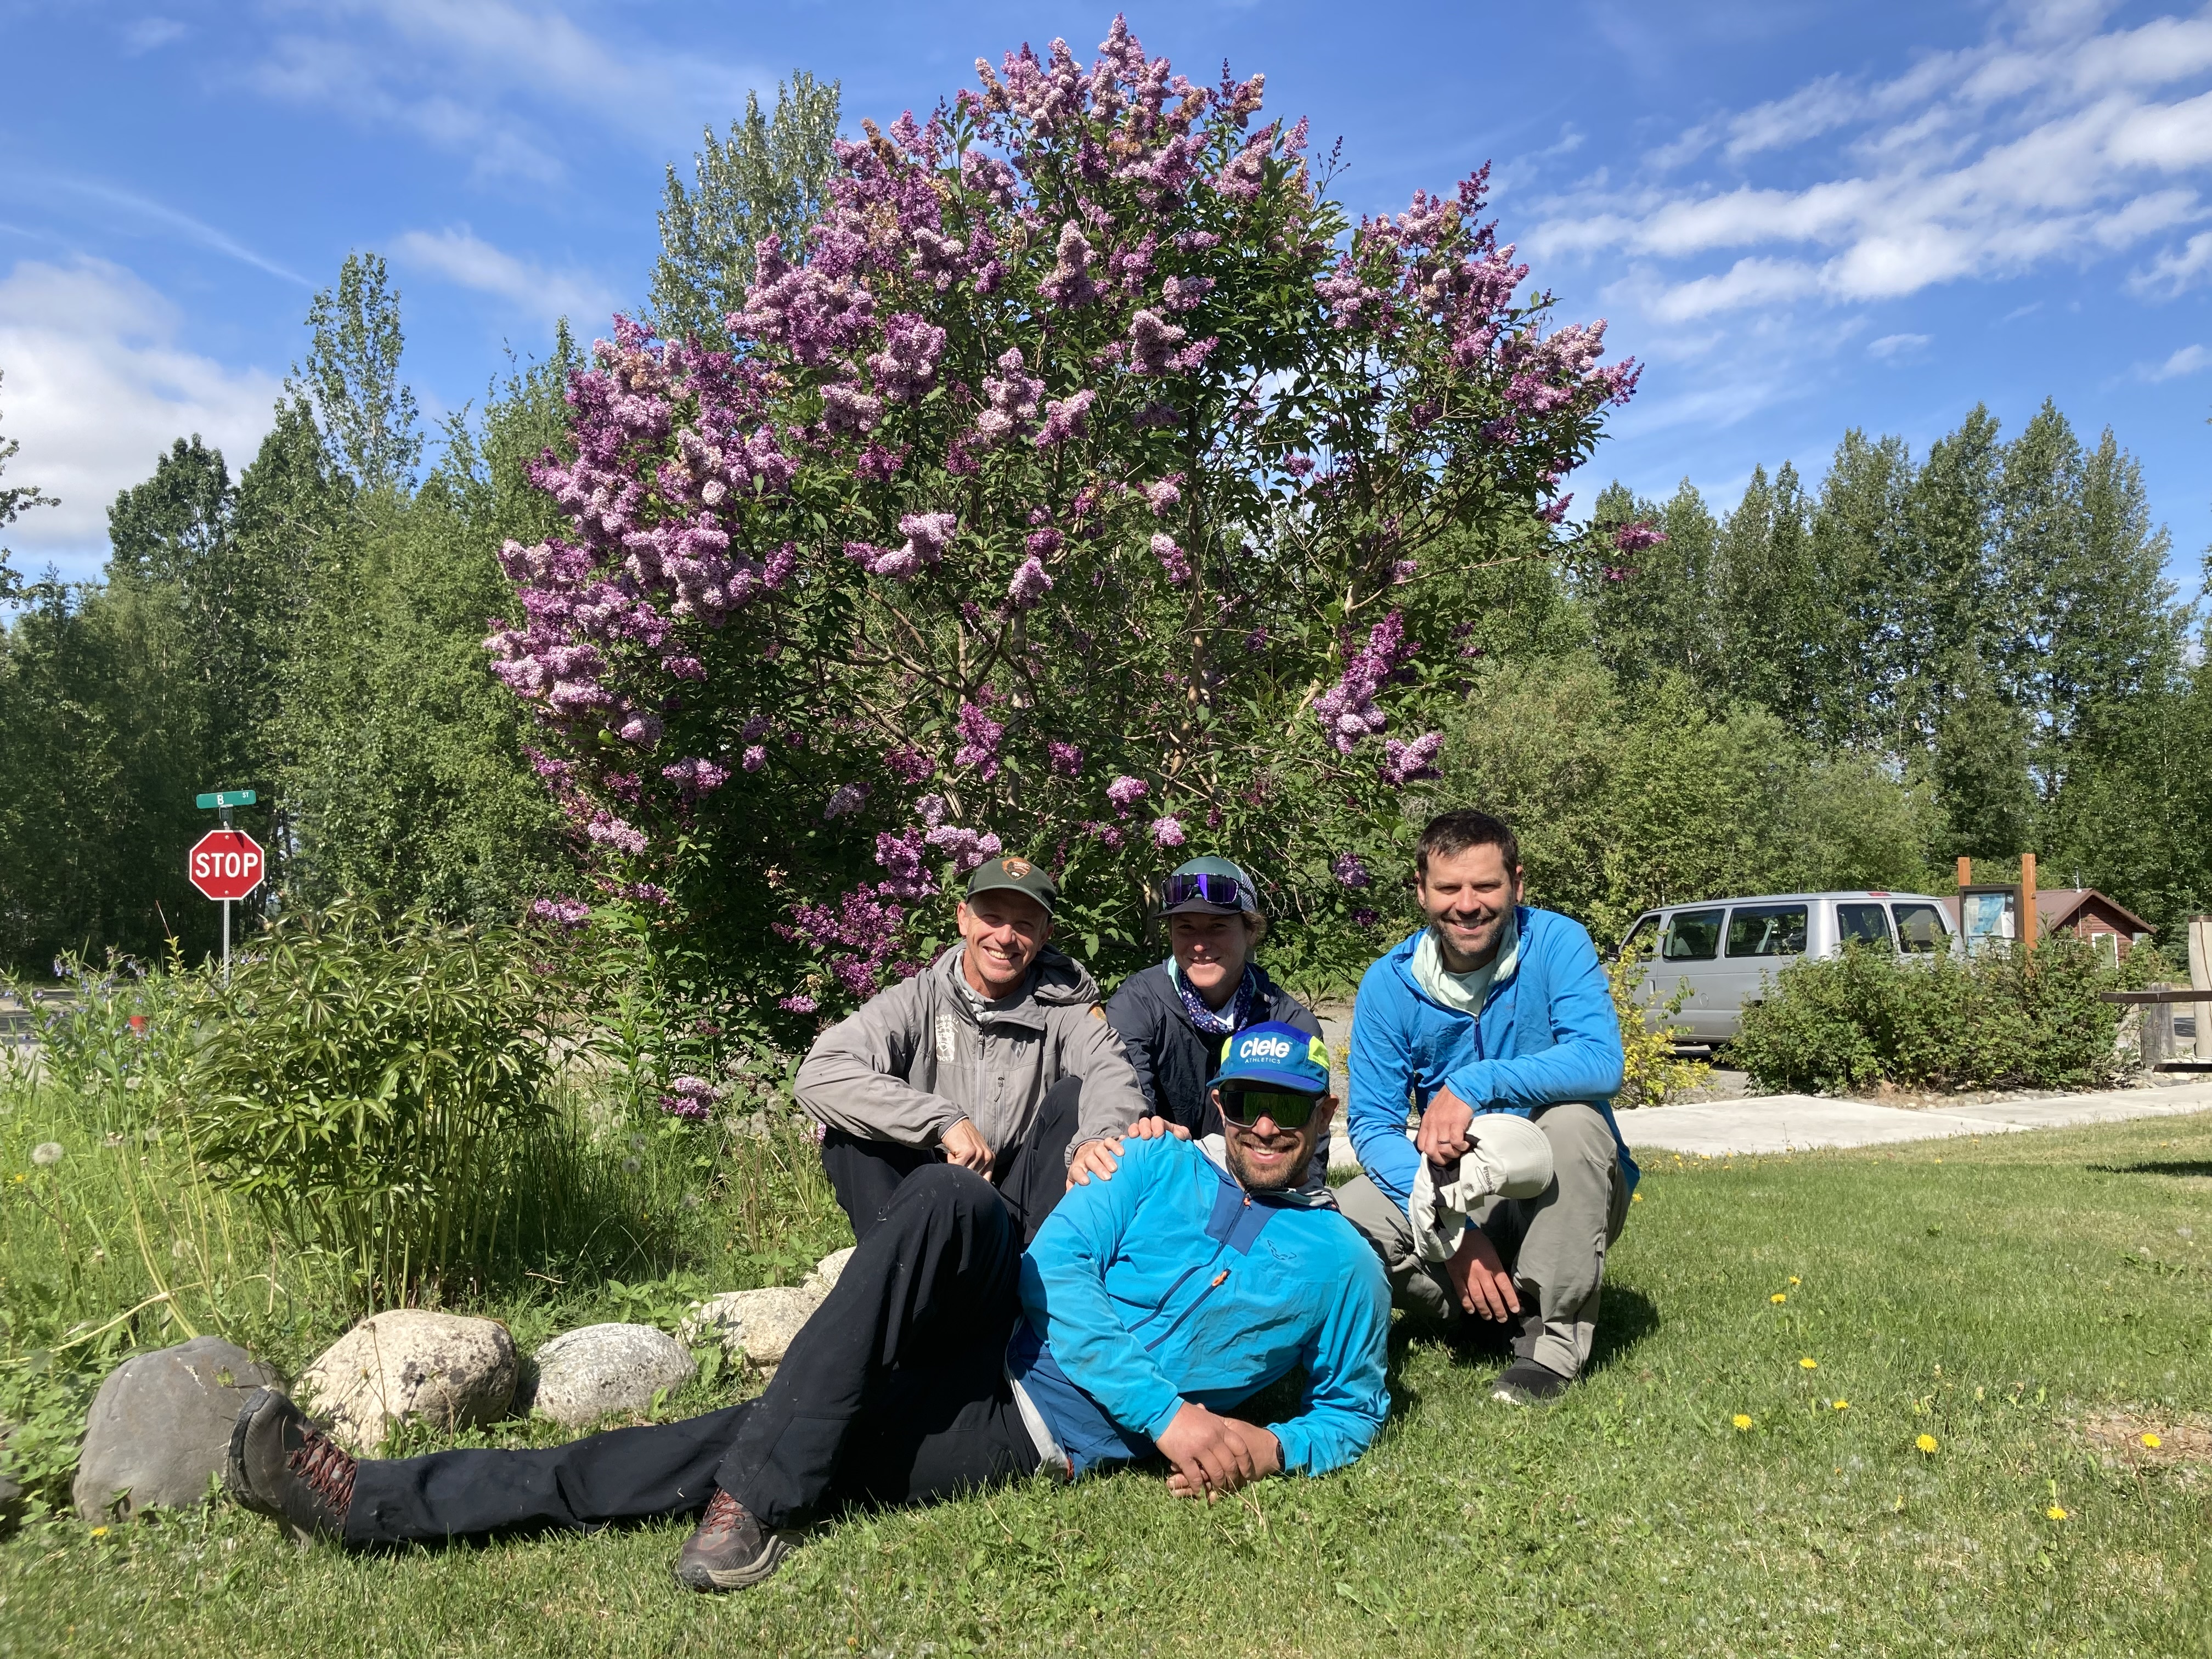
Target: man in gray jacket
996, 1057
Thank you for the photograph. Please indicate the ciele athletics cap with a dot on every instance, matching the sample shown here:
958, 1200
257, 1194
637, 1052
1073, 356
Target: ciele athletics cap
1274, 1056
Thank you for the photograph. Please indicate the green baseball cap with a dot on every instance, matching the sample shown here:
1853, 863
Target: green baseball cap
1015, 875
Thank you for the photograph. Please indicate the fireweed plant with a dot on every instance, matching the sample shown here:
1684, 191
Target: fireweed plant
1087, 486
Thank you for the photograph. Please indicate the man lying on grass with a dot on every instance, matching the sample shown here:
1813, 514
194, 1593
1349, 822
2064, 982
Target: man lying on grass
946, 1358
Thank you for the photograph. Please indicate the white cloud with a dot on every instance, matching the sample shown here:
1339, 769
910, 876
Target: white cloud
2051, 144
147, 34
457, 254
2190, 360
97, 386
459, 75
2176, 268
1895, 345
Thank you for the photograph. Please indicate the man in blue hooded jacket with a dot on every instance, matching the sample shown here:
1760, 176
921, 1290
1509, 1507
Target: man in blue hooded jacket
1492, 1007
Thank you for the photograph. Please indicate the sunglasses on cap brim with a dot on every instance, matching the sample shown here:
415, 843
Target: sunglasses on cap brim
1209, 890
1246, 1107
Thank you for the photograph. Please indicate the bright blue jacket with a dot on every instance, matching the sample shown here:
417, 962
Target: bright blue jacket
1546, 1033
1169, 1283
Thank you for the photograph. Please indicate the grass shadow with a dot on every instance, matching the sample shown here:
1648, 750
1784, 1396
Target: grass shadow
1626, 1318
2186, 1169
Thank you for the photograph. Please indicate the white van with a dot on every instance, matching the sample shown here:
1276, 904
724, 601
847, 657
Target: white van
1728, 951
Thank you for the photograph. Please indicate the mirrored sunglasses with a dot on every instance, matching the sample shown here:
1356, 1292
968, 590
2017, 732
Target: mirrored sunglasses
1290, 1110
1209, 890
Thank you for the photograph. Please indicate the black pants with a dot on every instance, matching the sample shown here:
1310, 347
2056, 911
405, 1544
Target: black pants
1031, 1174
894, 1392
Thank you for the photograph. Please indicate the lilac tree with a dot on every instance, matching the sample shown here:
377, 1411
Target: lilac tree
1087, 485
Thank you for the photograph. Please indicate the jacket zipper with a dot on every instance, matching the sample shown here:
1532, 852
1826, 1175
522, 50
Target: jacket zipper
1212, 1286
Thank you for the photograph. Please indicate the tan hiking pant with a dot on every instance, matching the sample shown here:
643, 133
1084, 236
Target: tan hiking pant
1553, 1244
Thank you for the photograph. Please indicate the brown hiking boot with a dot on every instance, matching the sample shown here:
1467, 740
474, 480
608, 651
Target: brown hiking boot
284, 1464
730, 1550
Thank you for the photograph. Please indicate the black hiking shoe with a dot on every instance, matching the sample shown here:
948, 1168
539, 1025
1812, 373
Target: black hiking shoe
729, 1550
284, 1464
1525, 1382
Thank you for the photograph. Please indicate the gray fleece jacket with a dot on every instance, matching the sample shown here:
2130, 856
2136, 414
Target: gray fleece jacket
916, 1059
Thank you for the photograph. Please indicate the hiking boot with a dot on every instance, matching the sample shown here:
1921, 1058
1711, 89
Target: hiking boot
284, 1464
729, 1550
1525, 1382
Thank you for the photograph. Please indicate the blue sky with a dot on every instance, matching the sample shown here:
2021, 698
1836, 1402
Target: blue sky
1802, 217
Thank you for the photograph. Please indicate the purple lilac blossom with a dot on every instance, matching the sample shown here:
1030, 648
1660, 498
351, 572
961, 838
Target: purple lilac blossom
846, 799
1350, 869
1167, 832
1065, 758
1126, 791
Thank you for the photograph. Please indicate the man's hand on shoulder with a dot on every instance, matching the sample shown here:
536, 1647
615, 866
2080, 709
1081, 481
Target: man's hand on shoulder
1442, 1137
1213, 1455
963, 1144
1102, 1157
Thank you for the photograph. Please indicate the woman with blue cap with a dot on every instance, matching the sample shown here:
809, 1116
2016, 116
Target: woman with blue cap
1172, 1017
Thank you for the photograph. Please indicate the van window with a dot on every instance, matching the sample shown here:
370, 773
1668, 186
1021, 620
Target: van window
1920, 928
1641, 937
1692, 936
1861, 924
1766, 930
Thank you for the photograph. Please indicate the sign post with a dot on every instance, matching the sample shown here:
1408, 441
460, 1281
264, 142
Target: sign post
226, 864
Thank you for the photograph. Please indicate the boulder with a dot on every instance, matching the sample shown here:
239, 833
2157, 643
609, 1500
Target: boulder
409, 1364
585, 1373
761, 1323
160, 1425
823, 1279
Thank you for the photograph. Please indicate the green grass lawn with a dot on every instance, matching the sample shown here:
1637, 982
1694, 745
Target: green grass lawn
2011, 1298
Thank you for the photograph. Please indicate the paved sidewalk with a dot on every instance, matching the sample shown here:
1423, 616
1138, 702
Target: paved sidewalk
1784, 1123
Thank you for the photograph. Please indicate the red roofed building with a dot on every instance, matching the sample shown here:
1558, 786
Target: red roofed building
2087, 913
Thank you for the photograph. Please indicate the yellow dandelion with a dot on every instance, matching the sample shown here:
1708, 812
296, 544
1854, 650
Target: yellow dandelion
1635, 1198
1740, 1420
1778, 1298
1808, 1364
1841, 1405
2056, 1513
1793, 1280
2152, 1442
100, 1532
1926, 1442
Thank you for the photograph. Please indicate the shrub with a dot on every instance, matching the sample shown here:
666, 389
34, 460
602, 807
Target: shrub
2010, 1018
1650, 1073
1088, 483
384, 1092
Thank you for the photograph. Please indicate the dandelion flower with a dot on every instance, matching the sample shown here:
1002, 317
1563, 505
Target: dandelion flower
46, 1152
1841, 1405
1808, 1364
1635, 1198
100, 1532
1926, 1442
2056, 1513
1793, 1280
2152, 1442
1778, 1298
1740, 1420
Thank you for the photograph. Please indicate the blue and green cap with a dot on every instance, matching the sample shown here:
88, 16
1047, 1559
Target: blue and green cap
1274, 1056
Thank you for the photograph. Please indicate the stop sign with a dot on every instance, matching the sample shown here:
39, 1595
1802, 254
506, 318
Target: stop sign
225, 864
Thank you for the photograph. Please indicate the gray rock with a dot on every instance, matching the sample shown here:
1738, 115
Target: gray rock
584, 1374
160, 1425
823, 1279
761, 1323
409, 1364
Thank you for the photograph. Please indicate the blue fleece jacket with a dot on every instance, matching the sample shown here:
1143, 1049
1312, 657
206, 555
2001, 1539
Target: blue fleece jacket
1170, 1283
1546, 1033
